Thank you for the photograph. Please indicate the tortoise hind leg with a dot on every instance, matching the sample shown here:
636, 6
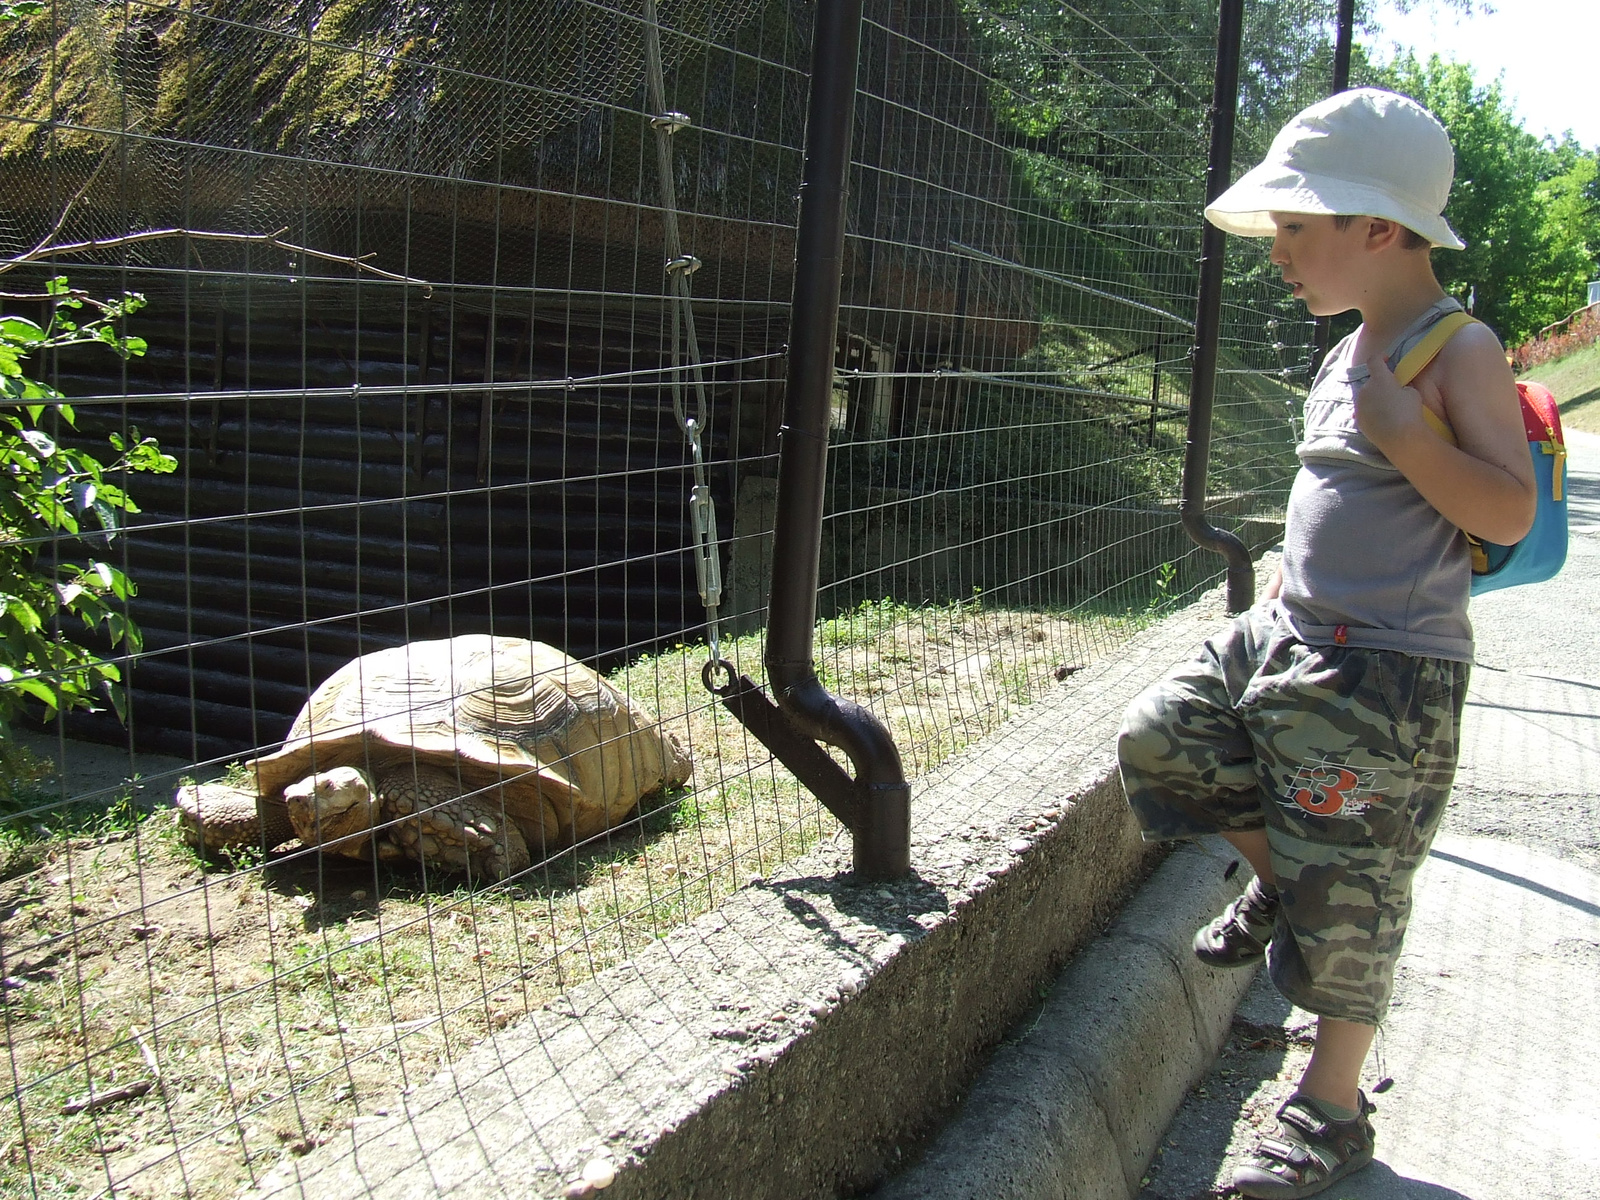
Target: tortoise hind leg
437, 825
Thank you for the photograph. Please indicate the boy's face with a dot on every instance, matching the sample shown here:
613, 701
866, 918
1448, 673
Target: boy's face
1318, 260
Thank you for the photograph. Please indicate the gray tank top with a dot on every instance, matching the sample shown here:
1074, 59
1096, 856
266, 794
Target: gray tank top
1366, 560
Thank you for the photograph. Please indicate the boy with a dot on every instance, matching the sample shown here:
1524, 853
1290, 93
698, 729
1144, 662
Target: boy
1318, 732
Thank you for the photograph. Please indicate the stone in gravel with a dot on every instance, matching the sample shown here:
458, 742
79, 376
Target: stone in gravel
599, 1173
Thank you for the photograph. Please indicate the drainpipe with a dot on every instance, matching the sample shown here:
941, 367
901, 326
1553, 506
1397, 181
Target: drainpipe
1208, 321
876, 804
1322, 341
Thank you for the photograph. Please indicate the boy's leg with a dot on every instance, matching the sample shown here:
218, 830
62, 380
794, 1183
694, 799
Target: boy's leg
1253, 844
1354, 790
1354, 786
1187, 764
1188, 767
1323, 1131
1334, 1073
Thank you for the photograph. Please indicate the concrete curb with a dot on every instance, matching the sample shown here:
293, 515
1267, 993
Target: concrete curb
1076, 1104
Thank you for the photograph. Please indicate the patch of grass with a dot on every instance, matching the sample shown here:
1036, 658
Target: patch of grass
34, 815
1575, 382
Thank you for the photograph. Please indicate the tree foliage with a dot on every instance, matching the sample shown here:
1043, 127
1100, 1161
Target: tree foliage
1525, 206
53, 495
1105, 109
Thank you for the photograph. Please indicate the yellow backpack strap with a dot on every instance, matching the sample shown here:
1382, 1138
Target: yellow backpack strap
1423, 353
1439, 425
1410, 366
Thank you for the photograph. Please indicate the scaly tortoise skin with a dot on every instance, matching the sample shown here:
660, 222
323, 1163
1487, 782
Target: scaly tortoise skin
474, 753
418, 814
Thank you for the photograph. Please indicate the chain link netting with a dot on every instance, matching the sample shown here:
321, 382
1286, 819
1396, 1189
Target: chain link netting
468, 318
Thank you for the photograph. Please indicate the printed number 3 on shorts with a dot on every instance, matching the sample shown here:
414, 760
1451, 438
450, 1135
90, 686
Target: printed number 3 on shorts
1330, 789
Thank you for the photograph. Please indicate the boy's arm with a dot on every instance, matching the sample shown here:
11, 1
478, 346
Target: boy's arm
1486, 486
1274, 587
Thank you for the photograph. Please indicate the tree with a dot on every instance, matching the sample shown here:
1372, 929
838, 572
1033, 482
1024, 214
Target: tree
1572, 199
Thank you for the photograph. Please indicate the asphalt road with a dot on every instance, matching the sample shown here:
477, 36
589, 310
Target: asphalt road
1492, 1036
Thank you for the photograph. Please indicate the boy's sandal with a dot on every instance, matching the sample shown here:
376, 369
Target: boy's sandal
1239, 936
1309, 1154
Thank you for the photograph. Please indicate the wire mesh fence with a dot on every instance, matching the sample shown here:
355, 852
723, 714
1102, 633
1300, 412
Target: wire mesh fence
425, 381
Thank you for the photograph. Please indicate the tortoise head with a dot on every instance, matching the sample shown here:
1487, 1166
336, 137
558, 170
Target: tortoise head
334, 810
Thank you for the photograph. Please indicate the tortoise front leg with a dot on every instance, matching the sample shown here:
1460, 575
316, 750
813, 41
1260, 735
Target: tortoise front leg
437, 825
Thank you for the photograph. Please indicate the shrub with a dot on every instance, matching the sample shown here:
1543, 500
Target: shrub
1557, 341
51, 492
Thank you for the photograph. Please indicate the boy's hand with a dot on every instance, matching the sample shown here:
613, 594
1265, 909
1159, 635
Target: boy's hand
1385, 411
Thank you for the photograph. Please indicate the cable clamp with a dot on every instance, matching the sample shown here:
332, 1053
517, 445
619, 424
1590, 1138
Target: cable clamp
671, 122
688, 264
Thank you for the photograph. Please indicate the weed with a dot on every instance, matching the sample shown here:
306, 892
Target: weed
244, 857
863, 625
1165, 593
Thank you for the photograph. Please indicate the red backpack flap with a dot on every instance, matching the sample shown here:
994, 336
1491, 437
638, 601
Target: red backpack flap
1541, 417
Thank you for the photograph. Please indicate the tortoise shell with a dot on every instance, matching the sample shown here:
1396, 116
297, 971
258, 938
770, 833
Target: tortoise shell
565, 752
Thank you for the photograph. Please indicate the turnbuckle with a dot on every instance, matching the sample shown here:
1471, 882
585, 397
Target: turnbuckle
707, 567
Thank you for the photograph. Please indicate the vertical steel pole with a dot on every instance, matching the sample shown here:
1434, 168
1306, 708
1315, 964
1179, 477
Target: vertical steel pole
1343, 39
1208, 320
1342, 43
882, 832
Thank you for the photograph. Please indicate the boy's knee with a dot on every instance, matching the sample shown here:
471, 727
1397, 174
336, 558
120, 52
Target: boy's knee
1145, 739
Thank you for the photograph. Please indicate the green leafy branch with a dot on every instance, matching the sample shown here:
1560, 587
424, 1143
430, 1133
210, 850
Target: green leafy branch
50, 491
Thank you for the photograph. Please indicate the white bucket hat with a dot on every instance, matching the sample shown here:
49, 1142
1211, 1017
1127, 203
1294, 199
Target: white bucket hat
1365, 152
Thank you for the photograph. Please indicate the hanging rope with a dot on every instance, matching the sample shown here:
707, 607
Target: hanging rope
685, 342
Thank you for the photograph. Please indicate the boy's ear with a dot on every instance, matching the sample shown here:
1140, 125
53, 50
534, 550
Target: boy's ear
1383, 233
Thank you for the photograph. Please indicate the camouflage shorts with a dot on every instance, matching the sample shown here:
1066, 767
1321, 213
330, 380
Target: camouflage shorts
1344, 755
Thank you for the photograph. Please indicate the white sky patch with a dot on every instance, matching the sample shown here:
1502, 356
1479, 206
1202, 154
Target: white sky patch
1546, 48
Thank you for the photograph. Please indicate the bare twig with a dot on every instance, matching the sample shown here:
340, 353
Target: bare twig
66, 209
149, 1056
69, 294
92, 1102
359, 262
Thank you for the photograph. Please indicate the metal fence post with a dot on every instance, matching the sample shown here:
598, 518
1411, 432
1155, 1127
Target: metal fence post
1208, 320
1322, 340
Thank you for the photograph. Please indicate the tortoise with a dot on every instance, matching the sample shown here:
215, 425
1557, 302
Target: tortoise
475, 753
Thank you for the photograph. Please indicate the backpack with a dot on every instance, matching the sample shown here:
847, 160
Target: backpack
1543, 550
